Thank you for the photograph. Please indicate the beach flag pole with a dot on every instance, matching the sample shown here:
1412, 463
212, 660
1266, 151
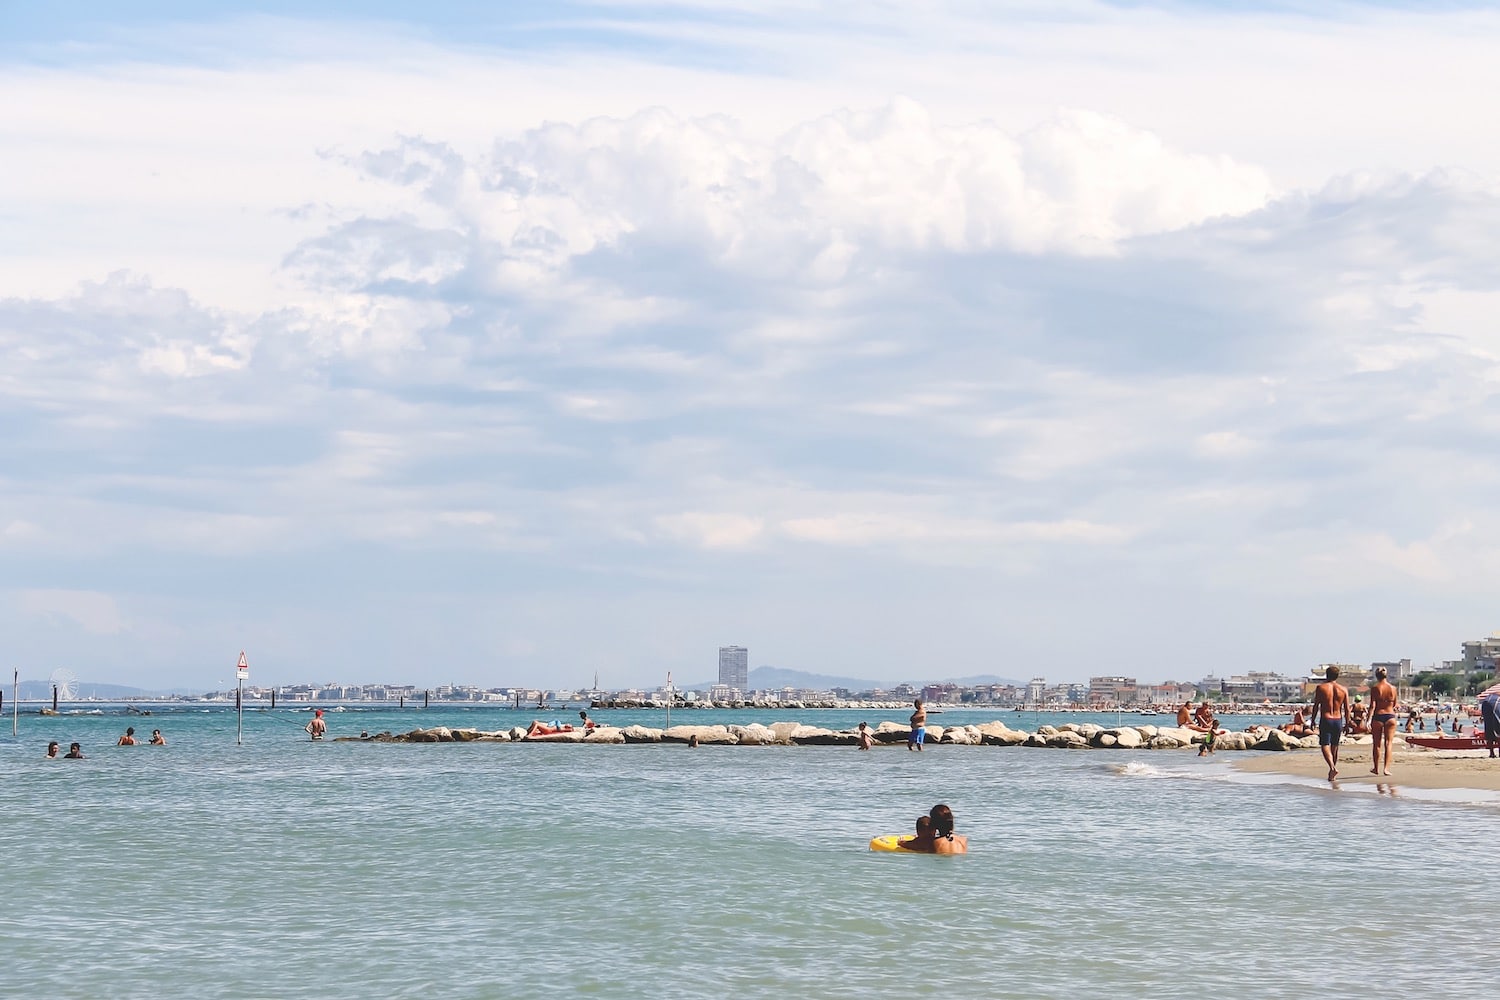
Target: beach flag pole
15, 702
669, 699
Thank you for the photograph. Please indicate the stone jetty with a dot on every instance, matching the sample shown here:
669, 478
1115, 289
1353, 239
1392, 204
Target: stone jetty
1069, 736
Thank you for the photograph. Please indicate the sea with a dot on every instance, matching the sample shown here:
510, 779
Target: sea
242, 860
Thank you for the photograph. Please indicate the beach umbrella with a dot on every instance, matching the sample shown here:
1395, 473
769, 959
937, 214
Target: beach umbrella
1492, 689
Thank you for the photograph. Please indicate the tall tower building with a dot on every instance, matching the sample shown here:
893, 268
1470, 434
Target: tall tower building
734, 667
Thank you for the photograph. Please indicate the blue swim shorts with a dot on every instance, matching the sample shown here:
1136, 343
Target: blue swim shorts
1330, 731
918, 735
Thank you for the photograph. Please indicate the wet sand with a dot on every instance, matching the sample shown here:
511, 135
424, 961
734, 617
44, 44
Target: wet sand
1409, 766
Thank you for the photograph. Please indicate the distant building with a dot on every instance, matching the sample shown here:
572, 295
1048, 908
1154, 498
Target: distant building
734, 667
1481, 655
1111, 691
1262, 686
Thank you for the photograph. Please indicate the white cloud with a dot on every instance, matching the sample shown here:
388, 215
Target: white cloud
95, 612
1051, 334
712, 530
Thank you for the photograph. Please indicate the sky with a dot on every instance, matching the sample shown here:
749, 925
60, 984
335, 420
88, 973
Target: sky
896, 341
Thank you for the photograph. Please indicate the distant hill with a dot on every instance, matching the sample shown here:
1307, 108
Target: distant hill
42, 691
769, 678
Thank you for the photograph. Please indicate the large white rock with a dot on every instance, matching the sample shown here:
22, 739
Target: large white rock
754, 735
999, 734
1273, 739
784, 730
641, 734
705, 734
604, 734
814, 736
576, 736
1068, 740
1128, 738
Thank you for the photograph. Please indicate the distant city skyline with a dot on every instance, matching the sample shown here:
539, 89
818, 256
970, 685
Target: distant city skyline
806, 327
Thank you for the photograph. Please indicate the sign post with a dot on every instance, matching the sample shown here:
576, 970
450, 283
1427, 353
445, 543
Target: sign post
241, 671
669, 699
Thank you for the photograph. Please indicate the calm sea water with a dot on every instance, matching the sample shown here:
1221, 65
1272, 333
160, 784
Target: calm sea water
282, 868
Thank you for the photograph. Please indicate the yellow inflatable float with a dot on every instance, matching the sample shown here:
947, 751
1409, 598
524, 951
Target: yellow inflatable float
890, 842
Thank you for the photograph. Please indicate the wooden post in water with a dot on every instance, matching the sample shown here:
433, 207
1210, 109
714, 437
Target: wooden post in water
403, 702
54, 699
273, 697
425, 695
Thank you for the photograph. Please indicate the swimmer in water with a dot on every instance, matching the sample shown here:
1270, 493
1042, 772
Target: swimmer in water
316, 727
922, 842
944, 840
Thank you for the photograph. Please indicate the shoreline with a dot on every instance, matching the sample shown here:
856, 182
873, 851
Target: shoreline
1427, 769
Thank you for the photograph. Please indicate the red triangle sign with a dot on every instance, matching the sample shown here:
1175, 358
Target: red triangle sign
244, 664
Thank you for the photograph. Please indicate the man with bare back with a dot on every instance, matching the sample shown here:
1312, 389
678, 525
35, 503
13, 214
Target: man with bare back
1382, 720
1330, 714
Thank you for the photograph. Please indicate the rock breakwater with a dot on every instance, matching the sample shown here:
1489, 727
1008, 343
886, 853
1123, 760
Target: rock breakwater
1069, 736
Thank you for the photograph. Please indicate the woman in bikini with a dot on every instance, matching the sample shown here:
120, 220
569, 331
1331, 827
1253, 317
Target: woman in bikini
1382, 721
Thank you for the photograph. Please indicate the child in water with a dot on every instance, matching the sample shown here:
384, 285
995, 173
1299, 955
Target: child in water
1208, 737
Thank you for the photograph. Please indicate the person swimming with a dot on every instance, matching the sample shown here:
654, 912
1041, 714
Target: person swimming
922, 842
944, 840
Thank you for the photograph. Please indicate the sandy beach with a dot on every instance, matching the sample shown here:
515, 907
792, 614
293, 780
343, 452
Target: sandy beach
1410, 766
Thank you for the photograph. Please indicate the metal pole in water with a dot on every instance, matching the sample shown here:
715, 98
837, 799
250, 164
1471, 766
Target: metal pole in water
425, 696
15, 703
239, 714
54, 699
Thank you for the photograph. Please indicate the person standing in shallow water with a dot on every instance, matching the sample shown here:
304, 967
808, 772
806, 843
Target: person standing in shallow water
1330, 714
918, 727
317, 727
1383, 706
128, 740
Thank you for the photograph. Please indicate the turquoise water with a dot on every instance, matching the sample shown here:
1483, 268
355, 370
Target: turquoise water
287, 869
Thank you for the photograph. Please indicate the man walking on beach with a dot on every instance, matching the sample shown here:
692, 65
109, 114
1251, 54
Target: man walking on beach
1331, 714
918, 727
1489, 712
1383, 700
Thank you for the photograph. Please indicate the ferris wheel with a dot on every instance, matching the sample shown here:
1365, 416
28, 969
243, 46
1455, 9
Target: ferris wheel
66, 683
